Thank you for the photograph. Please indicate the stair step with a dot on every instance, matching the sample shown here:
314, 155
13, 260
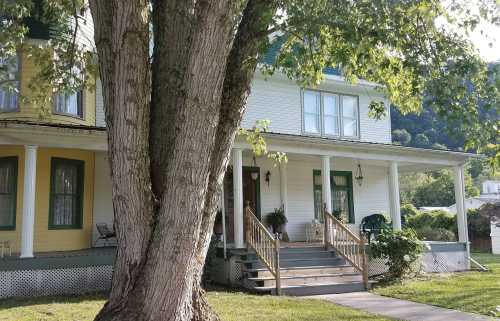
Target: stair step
315, 288
331, 261
309, 279
296, 255
298, 270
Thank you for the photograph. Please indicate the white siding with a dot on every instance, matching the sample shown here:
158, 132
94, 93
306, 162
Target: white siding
103, 206
372, 197
279, 101
99, 105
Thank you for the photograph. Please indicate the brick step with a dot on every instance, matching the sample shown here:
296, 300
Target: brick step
309, 279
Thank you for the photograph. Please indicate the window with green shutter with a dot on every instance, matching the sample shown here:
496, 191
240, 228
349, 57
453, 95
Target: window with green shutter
8, 192
66, 194
342, 195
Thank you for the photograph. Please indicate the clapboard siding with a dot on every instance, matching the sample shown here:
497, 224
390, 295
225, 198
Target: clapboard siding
372, 197
279, 101
99, 105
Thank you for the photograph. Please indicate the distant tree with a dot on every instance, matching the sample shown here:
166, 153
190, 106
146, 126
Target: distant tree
401, 136
421, 140
439, 190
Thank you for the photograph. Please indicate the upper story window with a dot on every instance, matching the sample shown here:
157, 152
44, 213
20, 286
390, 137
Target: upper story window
9, 90
69, 104
329, 114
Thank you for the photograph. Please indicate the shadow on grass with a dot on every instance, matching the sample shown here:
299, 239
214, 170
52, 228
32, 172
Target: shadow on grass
42, 300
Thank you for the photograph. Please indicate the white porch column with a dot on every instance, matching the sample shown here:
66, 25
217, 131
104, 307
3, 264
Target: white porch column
325, 175
238, 197
460, 201
394, 196
28, 224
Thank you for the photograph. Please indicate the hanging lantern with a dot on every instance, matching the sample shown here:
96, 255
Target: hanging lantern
254, 175
359, 175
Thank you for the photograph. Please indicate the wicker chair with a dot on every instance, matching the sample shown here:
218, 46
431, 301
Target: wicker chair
105, 233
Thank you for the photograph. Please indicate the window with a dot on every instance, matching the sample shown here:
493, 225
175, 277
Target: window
9, 91
329, 114
312, 112
350, 116
8, 192
69, 104
342, 195
66, 194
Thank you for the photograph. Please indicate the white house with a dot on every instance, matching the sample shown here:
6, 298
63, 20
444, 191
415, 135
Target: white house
338, 158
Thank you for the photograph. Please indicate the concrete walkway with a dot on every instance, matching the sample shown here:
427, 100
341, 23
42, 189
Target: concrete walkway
399, 309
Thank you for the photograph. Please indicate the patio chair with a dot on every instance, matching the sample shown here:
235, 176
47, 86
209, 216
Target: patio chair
372, 225
4, 246
105, 233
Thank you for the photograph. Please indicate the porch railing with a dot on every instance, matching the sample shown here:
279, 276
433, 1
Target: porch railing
265, 245
347, 244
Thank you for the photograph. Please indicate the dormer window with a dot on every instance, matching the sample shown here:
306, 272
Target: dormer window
330, 114
9, 68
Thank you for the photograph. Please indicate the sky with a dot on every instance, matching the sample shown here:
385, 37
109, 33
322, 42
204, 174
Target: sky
491, 34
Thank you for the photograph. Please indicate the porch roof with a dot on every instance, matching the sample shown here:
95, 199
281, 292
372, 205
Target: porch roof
409, 158
95, 138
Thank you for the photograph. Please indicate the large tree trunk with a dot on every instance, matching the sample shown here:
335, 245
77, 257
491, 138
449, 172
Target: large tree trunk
168, 155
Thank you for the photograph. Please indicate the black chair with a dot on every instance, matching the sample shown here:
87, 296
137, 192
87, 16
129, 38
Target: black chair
105, 233
373, 224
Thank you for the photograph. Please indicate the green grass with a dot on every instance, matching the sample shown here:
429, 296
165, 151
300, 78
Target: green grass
477, 292
230, 306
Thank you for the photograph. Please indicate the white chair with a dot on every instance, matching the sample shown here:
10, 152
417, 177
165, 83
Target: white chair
6, 245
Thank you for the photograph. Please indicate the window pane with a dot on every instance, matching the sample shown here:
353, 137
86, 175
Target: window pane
340, 202
311, 123
311, 111
7, 203
68, 104
8, 92
349, 116
340, 180
330, 114
350, 127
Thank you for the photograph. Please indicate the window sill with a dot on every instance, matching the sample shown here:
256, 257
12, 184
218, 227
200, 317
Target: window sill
9, 111
7, 228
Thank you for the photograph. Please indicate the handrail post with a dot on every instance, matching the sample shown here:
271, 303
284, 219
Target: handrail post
277, 266
364, 261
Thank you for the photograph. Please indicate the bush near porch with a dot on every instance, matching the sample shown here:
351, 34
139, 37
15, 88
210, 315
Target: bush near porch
442, 226
230, 306
477, 292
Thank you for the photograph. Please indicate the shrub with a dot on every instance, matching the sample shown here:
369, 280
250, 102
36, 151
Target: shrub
439, 234
401, 249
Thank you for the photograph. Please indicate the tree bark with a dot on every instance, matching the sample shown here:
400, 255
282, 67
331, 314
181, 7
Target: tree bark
168, 155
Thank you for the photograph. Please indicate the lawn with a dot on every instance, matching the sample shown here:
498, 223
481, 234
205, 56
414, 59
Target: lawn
477, 292
231, 307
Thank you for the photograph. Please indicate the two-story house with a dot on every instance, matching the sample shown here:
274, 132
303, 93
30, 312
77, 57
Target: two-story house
55, 185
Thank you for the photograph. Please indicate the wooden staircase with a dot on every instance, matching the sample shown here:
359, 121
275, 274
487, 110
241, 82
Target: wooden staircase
338, 266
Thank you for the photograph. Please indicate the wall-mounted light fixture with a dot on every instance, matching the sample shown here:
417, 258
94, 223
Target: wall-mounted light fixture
359, 175
268, 177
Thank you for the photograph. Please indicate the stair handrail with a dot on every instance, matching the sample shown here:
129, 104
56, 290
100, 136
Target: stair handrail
346, 243
265, 245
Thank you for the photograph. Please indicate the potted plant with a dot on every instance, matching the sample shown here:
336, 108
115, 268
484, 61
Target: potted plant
218, 228
276, 220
